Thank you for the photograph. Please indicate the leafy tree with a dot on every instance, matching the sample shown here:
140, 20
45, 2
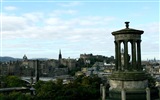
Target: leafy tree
39, 84
151, 81
3, 97
59, 82
73, 71
15, 96
12, 81
86, 81
82, 88
80, 62
62, 66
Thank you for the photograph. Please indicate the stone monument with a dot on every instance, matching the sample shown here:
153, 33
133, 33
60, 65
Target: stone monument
128, 77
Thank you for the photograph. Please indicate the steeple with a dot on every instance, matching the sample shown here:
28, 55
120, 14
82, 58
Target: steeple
60, 58
60, 55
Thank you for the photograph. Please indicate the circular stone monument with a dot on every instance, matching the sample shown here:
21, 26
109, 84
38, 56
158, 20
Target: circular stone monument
128, 76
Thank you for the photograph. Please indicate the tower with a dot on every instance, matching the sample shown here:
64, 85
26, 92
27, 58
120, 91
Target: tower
36, 65
60, 58
128, 77
60, 55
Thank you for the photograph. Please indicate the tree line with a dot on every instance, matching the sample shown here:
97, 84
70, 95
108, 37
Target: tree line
81, 88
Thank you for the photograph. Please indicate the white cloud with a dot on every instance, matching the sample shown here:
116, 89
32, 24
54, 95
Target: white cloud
150, 28
55, 33
150, 40
13, 23
10, 8
85, 34
63, 12
27, 26
70, 4
53, 21
34, 16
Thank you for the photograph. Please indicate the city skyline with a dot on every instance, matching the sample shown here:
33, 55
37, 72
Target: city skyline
40, 28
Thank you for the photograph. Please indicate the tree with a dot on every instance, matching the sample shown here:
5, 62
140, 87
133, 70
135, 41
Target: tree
13, 81
82, 88
15, 96
59, 82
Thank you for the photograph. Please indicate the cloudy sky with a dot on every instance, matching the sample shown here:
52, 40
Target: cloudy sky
39, 28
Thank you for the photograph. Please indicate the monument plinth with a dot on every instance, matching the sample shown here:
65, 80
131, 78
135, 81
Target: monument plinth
128, 75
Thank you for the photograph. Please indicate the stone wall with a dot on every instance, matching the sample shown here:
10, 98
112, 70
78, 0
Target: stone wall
116, 84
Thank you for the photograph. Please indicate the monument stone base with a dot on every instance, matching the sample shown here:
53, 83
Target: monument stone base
134, 84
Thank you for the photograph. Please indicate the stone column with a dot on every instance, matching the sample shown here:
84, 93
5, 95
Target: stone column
119, 55
116, 55
101, 85
37, 70
123, 94
148, 96
104, 92
159, 92
31, 81
32, 90
139, 54
133, 54
125, 54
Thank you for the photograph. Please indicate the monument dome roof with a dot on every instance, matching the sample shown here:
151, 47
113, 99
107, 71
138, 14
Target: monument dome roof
127, 30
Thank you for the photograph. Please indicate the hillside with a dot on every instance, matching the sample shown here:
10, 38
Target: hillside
6, 59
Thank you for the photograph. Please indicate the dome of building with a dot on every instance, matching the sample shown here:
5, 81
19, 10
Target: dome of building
25, 58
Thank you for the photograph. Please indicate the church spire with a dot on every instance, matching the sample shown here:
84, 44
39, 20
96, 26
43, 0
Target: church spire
60, 55
60, 58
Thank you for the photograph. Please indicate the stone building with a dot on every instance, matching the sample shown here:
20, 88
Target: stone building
69, 63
